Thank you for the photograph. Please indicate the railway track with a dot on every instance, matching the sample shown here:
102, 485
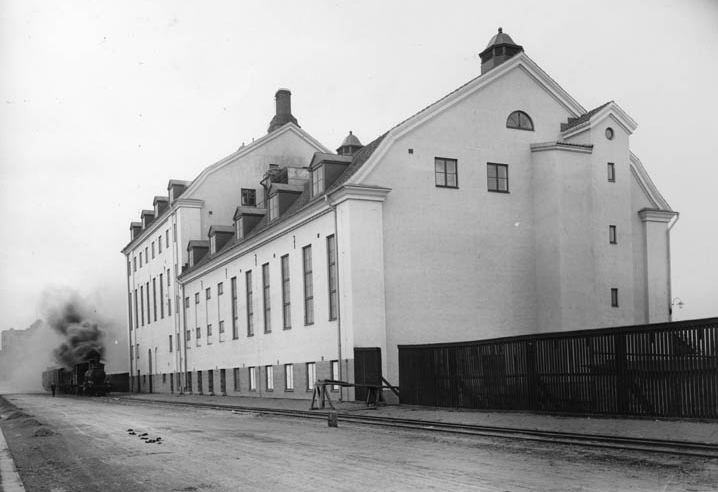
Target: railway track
680, 448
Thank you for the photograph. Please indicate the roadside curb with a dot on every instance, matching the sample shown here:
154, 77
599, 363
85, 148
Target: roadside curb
9, 478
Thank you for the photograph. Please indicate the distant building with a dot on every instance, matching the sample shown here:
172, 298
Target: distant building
504, 208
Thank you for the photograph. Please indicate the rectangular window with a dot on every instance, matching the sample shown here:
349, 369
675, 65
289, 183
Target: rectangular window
169, 306
147, 292
159, 244
250, 304
267, 299
134, 263
274, 206
220, 289
168, 277
132, 352
136, 312
288, 377
147, 255
446, 173
154, 297
129, 308
170, 343
252, 379
162, 296
334, 374
186, 302
318, 181
208, 293
269, 378
332, 270
142, 304
199, 382
311, 375
286, 298
235, 372
614, 297
235, 318
213, 244
137, 351
221, 330
140, 259
198, 335
167, 238
249, 197
308, 285
187, 337
612, 234
498, 177
611, 172
209, 330
153, 249
174, 233
196, 297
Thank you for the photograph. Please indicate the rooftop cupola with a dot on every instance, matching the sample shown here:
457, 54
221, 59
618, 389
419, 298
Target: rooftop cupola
500, 48
284, 110
350, 145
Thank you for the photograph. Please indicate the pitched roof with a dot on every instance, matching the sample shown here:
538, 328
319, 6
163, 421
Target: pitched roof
302, 201
574, 122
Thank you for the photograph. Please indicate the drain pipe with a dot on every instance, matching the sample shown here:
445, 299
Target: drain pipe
339, 311
672, 222
183, 337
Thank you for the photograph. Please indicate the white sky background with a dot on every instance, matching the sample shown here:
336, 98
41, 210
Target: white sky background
102, 102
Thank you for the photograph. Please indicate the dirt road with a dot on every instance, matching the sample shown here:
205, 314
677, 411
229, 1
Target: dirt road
74, 444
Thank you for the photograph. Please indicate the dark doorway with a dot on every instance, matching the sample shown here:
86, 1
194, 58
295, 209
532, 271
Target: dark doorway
139, 389
367, 369
222, 382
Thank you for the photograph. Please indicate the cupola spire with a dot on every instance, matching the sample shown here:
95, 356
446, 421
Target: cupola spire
500, 48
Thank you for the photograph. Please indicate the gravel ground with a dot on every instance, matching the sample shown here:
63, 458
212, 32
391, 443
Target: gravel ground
81, 444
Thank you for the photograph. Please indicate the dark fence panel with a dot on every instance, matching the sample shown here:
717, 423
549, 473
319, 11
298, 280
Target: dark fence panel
660, 370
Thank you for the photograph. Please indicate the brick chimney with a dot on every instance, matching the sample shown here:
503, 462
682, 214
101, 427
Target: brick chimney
283, 114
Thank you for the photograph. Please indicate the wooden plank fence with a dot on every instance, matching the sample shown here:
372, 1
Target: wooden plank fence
659, 370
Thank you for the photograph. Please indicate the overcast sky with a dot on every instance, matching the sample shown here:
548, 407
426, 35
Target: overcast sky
102, 102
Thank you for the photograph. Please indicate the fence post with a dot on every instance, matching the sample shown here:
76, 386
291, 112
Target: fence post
622, 383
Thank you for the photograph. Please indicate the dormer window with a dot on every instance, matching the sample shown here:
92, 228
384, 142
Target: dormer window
274, 206
239, 228
213, 244
191, 258
318, 181
519, 120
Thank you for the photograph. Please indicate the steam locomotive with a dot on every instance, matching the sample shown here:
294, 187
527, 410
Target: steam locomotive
85, 378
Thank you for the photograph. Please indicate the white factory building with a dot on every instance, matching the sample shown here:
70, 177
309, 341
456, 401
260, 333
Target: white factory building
504, 208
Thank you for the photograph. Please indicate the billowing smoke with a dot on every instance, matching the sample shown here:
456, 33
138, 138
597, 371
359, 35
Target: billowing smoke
77, 323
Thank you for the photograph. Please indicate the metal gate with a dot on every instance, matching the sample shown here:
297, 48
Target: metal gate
367, 369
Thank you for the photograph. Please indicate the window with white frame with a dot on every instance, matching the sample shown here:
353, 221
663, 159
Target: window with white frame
269, 378
311, 375
252, 379
288, 377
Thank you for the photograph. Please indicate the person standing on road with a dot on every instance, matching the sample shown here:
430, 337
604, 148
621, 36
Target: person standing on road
52, 388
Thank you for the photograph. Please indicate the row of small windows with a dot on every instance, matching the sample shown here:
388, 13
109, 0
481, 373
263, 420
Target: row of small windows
151, 248
446, 175
308, 296
253, 373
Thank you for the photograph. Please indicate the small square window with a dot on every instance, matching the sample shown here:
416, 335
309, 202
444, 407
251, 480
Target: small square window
220, 289
498, 177
614, 297
196, 297
208, 293
612, 234
446, 173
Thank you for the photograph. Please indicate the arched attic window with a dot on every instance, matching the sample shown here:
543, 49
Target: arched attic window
520, 121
